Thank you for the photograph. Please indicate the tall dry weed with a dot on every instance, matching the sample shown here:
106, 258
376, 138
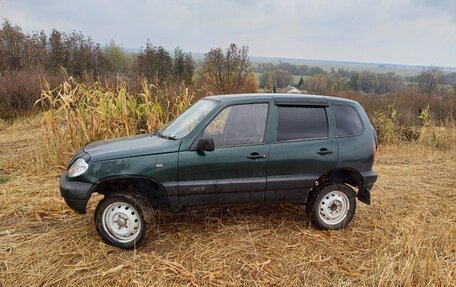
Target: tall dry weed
386, 123
3, 124
440, 137
392, 131
79, 113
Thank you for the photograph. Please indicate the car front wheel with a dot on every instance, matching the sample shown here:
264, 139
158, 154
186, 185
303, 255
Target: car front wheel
120, 219
332, 207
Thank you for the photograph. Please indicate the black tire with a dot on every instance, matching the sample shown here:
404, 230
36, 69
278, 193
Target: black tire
331, 207
134, 213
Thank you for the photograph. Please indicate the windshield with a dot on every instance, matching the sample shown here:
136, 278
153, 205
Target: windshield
187, 121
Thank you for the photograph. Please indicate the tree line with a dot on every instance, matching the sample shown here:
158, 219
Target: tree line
430, 80
29, 60
333, 81
83, 58
297, 70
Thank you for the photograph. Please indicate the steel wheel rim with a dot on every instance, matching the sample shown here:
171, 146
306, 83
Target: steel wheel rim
121, 222
334, 207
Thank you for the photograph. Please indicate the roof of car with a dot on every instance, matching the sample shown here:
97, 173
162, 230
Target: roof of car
287, 97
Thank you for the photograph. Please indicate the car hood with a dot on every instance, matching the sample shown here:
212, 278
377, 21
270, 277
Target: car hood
131, 146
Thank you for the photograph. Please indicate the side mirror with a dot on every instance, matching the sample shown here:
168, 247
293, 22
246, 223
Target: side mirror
205, 144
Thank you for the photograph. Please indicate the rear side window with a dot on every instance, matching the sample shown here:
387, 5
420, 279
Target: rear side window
347, 120
298, 123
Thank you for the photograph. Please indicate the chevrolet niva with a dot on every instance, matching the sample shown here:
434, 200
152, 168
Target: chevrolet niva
229, 150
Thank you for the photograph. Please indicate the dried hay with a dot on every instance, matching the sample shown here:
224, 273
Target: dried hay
406, 237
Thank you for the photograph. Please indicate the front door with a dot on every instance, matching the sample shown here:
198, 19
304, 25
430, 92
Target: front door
236, 170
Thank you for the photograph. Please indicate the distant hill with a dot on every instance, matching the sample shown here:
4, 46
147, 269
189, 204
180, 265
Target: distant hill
402, 70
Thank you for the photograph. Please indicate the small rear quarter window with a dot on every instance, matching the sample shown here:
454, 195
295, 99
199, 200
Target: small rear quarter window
347, 120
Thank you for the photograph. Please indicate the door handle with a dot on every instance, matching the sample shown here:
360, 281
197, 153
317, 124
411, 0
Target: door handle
255, 155
324, 151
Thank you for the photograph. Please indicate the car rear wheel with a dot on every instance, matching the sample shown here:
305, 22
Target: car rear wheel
120, 219
332, 207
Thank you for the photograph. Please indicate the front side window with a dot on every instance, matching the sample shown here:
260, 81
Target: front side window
187, 121
347, 120
238, 125
299, 123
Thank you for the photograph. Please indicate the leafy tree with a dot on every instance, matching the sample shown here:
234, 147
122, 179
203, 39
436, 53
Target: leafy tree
10, 42
226, 72
77, 54
279, 78
429, 80
283, 78
83, 57
293, 69
389, 82
183, 67
449, 79
189, 69
301, 82
353, 81
155, 64
18, 50
250, 85
40, 42
119, 61
270, 83
56, 50
343, 73
267, 80
164, 64
368, 82
315, 71
316, 83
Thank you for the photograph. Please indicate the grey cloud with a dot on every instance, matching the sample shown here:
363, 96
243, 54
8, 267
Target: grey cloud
401, 31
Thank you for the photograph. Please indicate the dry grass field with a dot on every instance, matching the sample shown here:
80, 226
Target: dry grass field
407, 237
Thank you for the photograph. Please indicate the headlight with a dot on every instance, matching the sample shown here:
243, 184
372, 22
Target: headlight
78, 167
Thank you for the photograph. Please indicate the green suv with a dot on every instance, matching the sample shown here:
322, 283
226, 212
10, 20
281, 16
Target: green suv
229, 150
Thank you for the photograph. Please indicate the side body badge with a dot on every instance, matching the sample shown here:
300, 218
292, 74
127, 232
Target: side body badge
159, 165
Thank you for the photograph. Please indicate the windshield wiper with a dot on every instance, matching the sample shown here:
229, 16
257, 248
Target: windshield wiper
168, 137
157, 133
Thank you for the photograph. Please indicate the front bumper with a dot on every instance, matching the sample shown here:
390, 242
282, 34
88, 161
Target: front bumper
75, 193
369, 178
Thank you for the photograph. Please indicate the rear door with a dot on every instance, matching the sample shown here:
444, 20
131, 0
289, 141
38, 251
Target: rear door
235, 171
304, 148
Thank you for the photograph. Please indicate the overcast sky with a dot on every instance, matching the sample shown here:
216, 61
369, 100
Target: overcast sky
387, 31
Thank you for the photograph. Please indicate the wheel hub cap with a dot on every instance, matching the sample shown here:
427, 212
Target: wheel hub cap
334, 207
121, 221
